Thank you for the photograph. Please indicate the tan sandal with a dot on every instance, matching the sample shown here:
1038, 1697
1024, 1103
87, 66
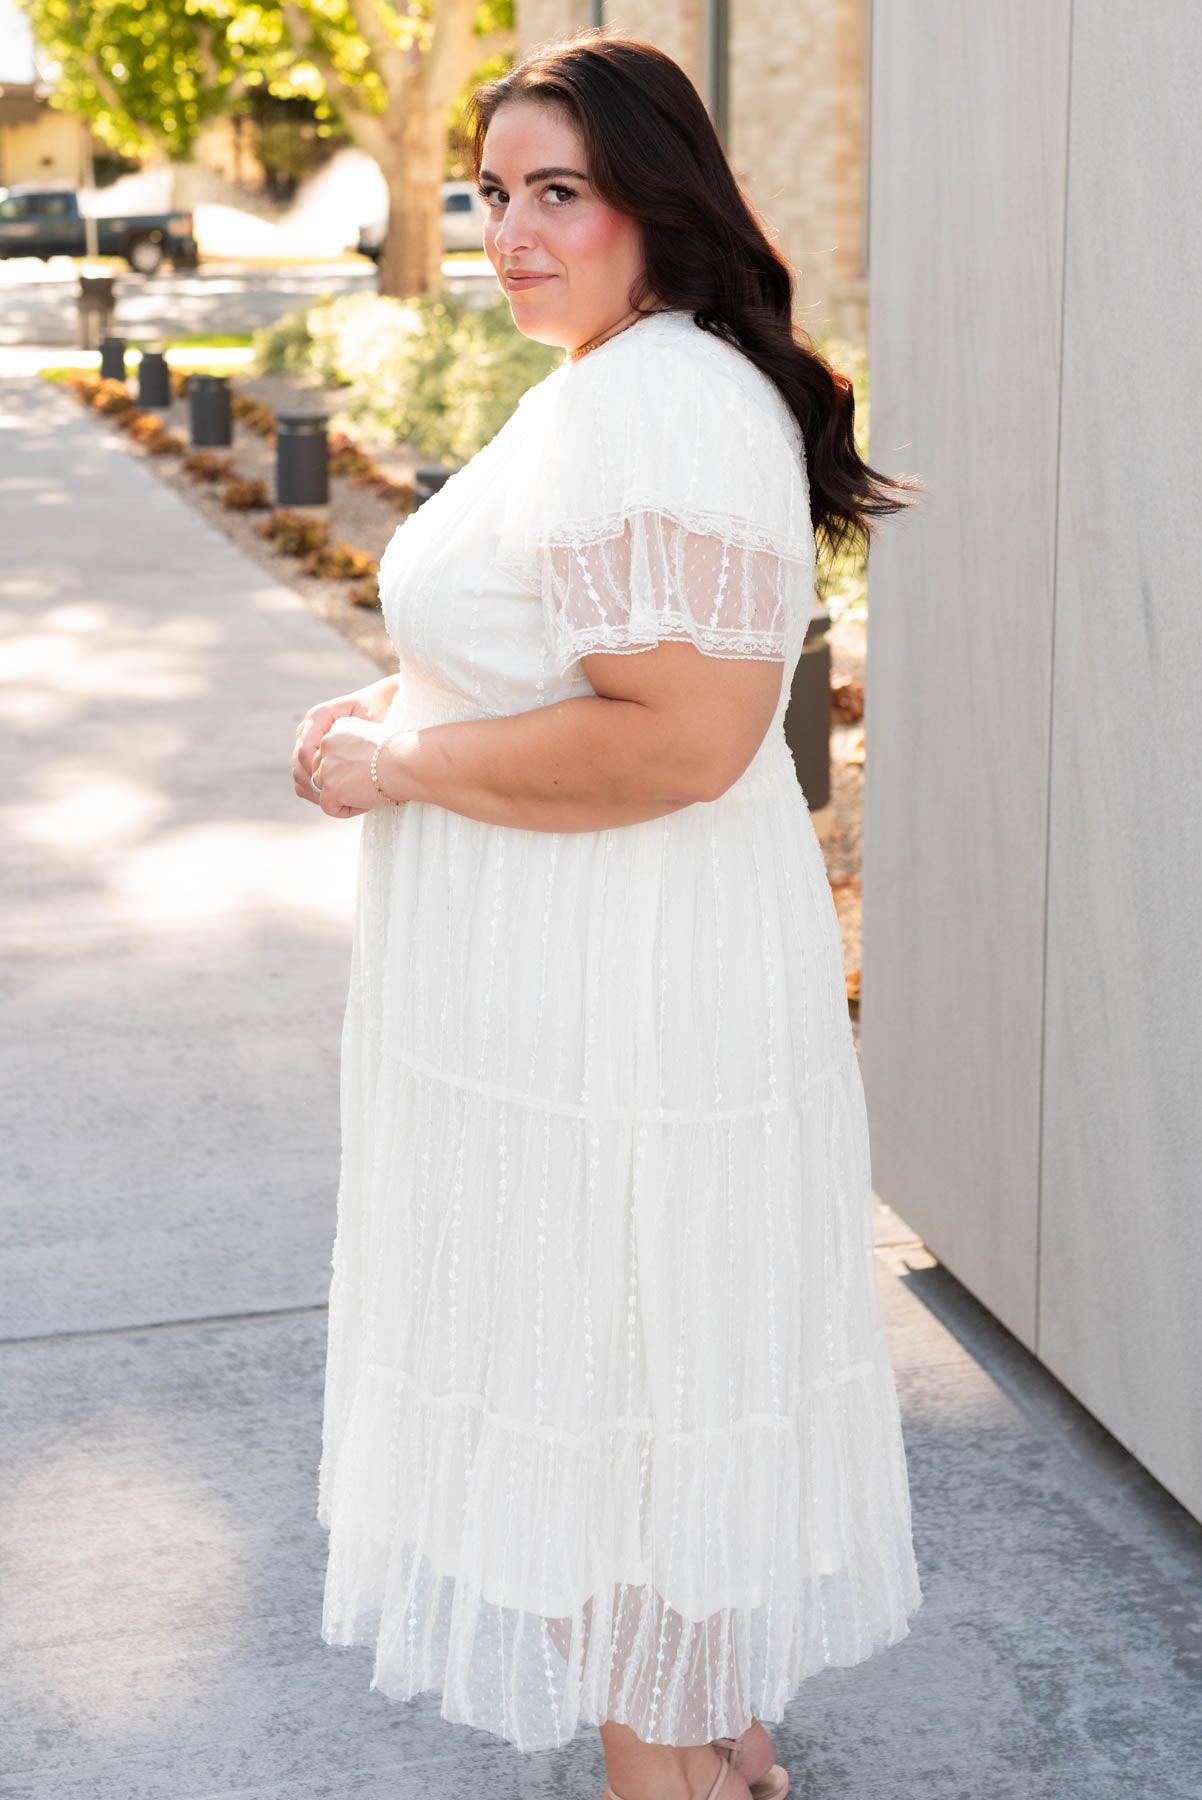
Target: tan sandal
729, 1784
752, 1754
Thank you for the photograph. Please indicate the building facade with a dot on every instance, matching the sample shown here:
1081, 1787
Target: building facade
1031, 1014
37, 142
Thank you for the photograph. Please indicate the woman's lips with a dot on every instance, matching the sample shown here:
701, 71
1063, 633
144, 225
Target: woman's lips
524, 281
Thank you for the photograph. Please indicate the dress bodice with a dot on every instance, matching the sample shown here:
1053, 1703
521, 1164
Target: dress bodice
626, 489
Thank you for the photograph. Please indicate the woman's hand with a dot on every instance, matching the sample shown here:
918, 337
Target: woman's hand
370, 702
342, 768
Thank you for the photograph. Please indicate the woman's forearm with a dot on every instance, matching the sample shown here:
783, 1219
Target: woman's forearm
583, 764
379, 695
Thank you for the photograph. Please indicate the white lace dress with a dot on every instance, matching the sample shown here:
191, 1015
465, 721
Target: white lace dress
610, 1427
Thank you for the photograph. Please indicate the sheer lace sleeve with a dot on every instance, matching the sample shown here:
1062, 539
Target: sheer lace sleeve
663, 495
657, 578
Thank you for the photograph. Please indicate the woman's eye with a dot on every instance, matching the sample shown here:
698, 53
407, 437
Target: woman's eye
493, 195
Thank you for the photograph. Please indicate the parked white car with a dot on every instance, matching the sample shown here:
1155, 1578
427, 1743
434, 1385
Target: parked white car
462, 222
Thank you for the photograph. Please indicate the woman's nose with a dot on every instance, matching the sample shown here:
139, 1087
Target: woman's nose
516, 230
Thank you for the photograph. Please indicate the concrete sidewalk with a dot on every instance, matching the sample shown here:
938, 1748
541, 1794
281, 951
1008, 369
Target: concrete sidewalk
175, 948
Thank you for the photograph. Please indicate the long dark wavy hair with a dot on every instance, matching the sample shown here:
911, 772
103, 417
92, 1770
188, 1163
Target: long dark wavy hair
653, 154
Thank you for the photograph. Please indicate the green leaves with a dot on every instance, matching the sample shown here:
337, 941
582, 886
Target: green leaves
148, 74
433, 371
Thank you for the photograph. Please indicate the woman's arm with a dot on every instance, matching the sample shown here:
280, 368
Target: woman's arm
664, 728
377, 696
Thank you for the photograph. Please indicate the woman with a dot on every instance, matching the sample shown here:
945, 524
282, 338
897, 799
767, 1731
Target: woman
610, 1429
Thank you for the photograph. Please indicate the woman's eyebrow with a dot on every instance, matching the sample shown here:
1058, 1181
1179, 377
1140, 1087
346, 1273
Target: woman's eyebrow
534, 175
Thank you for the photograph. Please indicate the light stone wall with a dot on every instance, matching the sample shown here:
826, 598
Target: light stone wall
1031, 1006
1120, 1303
675, 26
542, 21
797, 85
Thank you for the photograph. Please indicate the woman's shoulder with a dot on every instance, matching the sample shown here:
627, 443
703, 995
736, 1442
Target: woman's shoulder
659, 355
663, 417
665, 362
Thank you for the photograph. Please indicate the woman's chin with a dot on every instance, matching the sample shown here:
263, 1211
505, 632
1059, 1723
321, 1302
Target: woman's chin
537, 322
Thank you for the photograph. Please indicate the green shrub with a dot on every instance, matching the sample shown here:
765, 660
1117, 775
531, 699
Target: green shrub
359, 334
394, 355
491, 368
433, 371
842, 582
286, 347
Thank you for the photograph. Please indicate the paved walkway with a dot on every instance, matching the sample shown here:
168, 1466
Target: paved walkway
175, 953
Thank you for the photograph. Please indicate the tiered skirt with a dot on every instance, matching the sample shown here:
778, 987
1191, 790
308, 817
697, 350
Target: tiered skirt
610, 1426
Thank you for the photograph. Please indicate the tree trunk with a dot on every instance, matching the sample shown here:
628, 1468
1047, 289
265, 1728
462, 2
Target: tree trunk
412, 260
408, 140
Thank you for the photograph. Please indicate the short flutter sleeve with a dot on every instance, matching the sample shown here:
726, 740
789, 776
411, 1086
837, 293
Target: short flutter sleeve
664, 496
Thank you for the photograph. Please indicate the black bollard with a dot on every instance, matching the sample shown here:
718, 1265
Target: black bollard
808, 716
112, 359
427, 480
302, 460
96, 304
154, 383
211, 410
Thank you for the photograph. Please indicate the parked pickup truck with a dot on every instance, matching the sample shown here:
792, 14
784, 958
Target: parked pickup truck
47, 222
461, 222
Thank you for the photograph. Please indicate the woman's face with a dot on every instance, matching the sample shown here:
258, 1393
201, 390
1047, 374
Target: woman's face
543, 219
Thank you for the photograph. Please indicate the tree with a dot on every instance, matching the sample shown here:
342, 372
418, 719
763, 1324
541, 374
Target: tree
394, 75
148, 74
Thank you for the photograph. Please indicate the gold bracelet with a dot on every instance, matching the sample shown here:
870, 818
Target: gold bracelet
375, 758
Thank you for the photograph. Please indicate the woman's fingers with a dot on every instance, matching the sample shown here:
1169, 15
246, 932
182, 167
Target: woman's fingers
312, 729
302, 782
331, 807
317, 722
309, 734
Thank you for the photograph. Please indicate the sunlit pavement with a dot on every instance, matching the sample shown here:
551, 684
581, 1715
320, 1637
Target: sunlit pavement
38, 300
175, 955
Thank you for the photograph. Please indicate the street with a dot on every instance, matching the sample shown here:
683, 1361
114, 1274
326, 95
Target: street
37, 300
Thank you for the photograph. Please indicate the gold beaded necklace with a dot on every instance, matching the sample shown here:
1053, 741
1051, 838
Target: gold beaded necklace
583, 349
